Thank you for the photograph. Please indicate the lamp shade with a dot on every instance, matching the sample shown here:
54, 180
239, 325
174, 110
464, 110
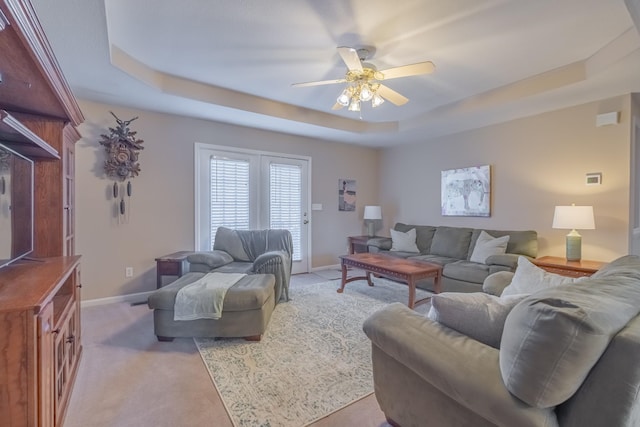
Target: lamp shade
372, 212
574, 217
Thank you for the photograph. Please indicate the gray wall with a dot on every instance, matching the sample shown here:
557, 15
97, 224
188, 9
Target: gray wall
161, 214
537, 163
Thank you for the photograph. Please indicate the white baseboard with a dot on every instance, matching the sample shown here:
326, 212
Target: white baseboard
129, 298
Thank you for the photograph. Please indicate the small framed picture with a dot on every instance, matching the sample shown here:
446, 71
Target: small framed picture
594, 179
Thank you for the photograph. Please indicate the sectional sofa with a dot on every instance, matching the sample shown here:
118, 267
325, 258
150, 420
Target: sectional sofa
452, 247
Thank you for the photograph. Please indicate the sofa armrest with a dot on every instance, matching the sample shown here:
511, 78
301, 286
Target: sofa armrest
206, 261
459, 367
383, 243
505, 260
495, 283
277, 263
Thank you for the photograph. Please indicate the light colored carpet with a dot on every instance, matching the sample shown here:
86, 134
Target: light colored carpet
336, 273
313, 360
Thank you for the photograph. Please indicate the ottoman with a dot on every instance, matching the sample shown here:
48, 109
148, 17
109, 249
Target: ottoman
246, 310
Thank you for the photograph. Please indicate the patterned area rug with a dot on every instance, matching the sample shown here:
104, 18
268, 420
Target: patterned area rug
313, 360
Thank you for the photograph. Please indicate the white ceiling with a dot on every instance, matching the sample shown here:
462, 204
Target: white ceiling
234, 61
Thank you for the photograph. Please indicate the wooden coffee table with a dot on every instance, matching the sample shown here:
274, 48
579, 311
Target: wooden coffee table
405, 270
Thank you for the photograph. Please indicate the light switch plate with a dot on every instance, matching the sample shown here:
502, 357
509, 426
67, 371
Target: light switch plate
316, 206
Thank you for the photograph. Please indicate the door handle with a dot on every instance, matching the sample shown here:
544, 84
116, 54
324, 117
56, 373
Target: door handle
306, 221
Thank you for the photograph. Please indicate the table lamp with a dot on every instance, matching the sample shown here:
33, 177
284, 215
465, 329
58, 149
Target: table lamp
571, 218
371, 214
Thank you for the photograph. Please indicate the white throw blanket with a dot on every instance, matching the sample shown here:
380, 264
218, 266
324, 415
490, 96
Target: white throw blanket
203, 298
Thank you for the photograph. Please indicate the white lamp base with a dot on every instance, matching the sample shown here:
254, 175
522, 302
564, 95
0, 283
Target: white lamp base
574, 246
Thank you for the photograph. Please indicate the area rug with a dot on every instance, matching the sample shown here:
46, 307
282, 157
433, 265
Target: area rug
313, 360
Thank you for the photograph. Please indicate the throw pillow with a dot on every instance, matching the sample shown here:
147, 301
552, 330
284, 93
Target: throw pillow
227, 240
212, 259
404, 242
529, 278
477, 315
487, 245
553, 338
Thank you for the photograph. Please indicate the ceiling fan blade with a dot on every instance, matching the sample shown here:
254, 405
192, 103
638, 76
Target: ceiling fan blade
350, 57
408, 70
337, 106
319, 83
391, 95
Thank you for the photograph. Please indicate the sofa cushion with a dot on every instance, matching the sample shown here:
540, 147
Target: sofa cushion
249, 293
236, 267
440, 260
487, 245
477, 315
529, 278
212, 259
466, 271
424, 235
227, 240
524, 242
606, 382
403, 241
553, 338
627, 266
452, 242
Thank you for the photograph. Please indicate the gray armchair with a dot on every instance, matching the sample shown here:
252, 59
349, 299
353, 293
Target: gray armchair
252, 252
567, 357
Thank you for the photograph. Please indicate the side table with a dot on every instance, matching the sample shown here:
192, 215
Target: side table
561, 266
358, 244
171, 265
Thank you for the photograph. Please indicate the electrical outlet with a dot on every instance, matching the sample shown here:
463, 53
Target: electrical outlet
128, 272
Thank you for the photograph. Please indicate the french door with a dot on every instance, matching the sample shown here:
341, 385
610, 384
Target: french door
244, 189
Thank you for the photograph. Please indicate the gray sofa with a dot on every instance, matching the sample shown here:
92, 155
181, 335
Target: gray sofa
568, 356
264, 255
452, 248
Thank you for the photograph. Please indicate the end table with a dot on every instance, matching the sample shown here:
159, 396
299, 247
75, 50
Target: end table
171, 265
561, 266
358, 244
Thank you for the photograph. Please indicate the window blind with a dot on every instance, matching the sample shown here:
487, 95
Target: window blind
229, 194
285, 201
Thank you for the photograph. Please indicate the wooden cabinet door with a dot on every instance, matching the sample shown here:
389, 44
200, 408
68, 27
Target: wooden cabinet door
45, 367
68, 195
61, 371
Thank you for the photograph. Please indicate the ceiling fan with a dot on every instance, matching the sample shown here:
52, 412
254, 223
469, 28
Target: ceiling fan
364, 80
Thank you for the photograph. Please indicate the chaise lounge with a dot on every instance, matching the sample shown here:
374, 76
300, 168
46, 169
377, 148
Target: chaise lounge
265, 256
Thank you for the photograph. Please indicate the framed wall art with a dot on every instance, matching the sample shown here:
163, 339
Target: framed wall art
466, 192
346, 194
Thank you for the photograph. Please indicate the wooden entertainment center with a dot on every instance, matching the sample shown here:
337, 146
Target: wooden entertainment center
40, 338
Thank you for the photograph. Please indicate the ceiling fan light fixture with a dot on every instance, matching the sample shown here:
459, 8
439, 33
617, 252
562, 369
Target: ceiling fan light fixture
363, 80
344, 98
377, 100
365, 92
